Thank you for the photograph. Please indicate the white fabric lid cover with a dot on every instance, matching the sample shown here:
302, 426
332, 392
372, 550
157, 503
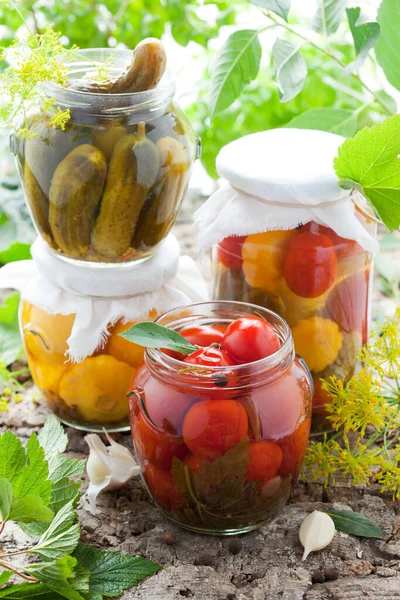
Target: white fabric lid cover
284, 165
107, 281
94, 315
279, 179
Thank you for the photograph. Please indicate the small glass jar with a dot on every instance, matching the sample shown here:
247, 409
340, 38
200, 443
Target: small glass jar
319, 282
254, 417
89, 395
108, 188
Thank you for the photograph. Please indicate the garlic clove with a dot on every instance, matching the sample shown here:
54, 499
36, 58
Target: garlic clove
108, 467
316, 532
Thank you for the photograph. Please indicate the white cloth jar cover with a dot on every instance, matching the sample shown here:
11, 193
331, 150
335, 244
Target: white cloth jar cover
279, 179
163, 282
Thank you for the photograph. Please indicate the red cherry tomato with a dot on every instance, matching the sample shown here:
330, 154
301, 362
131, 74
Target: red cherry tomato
348, 303
211, 427
344, 248
283, 403
229, 252
294, 448
310, 265
249, 339
209, 357
265, 458
194, 462
156, 446
162, 487
205, 335
166, 406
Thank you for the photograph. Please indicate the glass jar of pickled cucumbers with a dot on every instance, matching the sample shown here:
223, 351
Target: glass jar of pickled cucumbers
220, 440
316, 280
91, 394
108, 188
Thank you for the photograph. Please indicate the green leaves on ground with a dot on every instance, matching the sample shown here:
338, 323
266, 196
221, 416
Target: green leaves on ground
355, 523
6, 495
365, 35
36, 492
62, 535
10, 336
334, 120
112, 572
329, 16
370, 163
237, 64
151, 335
279, 7
290, 69
387, 48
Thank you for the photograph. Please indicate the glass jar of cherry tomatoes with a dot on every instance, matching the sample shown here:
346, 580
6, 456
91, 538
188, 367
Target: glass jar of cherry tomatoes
220, 434
318, 281
285, 235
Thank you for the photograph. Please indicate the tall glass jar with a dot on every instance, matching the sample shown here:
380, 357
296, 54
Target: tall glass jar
108, 188
256, 419
316, 280
91, 394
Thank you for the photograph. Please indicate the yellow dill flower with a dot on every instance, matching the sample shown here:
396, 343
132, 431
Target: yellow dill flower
61, 118
383, 353
358, 403
389, 479
321, 459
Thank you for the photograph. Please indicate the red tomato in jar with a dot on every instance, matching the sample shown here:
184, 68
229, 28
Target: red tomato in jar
348, 302
211, 427
221, 384
283, 403
294, 448
229, 252
204, 335
310, 265
265, 458
166, 406
155, 445
344, 248
194, 462
209, 357
249, 339
162, 487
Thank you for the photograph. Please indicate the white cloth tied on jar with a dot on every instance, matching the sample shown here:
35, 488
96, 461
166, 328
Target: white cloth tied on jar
99, 295
279, 179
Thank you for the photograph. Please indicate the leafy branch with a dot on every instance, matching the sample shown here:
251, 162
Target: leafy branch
37, 492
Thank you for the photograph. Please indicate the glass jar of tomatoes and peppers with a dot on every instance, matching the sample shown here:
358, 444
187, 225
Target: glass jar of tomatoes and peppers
221, 426
284, 235
73, 339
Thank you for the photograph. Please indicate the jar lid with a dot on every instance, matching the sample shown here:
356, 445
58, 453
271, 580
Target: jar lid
289, 166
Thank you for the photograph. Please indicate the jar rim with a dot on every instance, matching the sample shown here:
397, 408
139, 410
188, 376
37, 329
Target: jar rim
109, 103
269, 367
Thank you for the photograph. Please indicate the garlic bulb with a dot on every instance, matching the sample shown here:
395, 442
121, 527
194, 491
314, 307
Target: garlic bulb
108, 467
316, 532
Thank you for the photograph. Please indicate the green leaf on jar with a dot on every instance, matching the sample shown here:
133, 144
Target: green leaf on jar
218, 495
365, 35
389, 41
355, 523
151, 335
290, 69
370, 163
329, 16
335, 120
237, 64
279, 7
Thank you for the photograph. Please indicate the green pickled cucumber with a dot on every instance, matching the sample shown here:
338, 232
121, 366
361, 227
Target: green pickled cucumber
37, 200
105, 138
48, 147
144, 73
163, 203
75, 194
132, 172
